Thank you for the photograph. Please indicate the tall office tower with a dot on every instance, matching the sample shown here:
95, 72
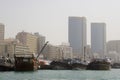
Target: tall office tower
98, 39
2, 30
77, 35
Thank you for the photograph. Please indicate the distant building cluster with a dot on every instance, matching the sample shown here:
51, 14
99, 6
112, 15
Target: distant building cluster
26, 42
113, 50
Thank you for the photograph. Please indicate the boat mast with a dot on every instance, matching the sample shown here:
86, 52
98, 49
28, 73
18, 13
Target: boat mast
84, 54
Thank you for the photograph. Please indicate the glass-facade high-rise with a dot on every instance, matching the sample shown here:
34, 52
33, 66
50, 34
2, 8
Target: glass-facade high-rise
77, 34
98, 38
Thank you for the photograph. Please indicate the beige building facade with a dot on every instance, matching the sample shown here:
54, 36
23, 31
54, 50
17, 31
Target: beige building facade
113, 46
52, 52
58, 52
113, 50
65, 51
10, 47
29, 40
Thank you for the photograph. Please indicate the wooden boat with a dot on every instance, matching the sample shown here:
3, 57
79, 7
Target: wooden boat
99, 64
44, 64
25, 62
68, 64
61, 65
6, 64
78, 64
116, 65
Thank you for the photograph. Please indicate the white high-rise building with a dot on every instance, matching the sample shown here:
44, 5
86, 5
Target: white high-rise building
77, 35
98, 39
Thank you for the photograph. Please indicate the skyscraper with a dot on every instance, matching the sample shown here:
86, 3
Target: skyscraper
2, 30
77, 34
98, 38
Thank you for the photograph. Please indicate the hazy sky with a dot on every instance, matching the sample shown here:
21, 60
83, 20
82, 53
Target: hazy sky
50, 17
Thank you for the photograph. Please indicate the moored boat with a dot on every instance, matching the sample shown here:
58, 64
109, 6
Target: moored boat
44, 64
116, 65
79, 65
6, 64
25, 62
68, 64
61, 65
99, 64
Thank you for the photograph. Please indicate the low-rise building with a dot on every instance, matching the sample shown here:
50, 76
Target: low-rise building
113, 50
29, 40
65, 51
52, 52
58, 52
113, 45
10, 47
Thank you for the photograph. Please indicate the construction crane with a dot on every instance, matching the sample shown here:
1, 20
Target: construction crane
42, 49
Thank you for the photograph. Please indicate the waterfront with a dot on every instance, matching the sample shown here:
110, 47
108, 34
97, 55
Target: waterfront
113, 74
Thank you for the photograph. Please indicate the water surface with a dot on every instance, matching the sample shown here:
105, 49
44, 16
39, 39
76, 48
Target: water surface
113, 74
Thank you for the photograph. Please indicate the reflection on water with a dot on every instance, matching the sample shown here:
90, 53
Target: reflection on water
113, 74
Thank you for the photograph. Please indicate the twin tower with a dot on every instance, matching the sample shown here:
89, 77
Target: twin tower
77, 34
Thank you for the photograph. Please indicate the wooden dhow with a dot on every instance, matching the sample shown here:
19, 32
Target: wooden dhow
99, 64
25, 62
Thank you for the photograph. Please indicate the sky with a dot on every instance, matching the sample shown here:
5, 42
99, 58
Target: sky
50, 17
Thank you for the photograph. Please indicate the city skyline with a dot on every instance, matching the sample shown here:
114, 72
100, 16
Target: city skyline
49, 18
